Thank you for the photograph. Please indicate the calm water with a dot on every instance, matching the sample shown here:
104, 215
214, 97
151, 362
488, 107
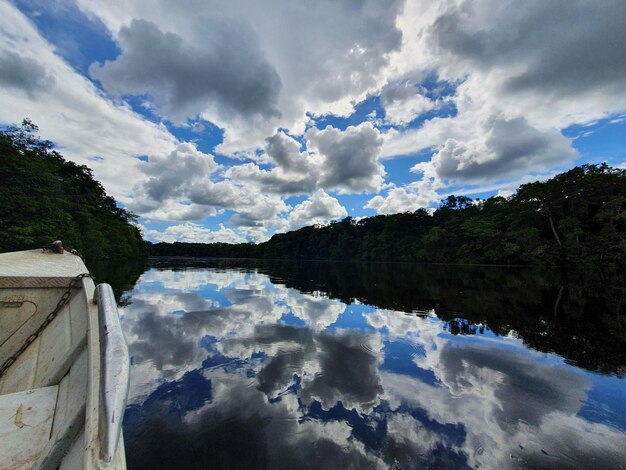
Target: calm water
323, 365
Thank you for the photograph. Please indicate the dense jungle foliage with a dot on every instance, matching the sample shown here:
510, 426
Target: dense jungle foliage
576, 217
44, 197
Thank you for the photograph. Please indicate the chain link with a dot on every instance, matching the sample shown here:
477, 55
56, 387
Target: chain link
65, 298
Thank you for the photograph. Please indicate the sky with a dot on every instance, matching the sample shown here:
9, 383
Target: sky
231, 121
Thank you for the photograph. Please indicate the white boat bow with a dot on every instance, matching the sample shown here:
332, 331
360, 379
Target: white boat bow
64, 366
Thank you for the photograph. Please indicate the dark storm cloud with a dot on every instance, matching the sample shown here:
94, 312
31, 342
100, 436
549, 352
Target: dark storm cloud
23, 73
228, 72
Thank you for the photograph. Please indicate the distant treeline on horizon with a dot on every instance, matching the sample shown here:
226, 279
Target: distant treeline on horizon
576, 217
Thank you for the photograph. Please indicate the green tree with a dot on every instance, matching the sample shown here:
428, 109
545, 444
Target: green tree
44, 197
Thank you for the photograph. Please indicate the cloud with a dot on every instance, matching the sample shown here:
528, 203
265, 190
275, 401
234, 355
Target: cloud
275, 181
285, 152
257, 195
70, 111
404, 101
261, 211
397, 200
318, 209
23, 73
408, 198
349, 372
315, 59
474, 148
193, 233
520, 74
346, 161
170, 173
225, 73
582, 58
510, 148
350, 157
179, 187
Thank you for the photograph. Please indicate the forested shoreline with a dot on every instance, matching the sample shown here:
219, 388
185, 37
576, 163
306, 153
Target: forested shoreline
44, 197
575, 217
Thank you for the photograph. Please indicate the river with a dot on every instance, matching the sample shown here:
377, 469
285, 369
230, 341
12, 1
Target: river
244, 364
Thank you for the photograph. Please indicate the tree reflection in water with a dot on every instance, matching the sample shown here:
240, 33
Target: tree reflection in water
327, 365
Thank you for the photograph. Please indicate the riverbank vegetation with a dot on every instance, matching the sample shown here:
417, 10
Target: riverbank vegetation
575, 217
44, 197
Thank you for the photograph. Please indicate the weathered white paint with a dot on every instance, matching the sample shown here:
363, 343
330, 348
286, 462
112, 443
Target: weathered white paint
25, 424
74, 458
50, 357
63, 366
115, 372
40, 264
69, 416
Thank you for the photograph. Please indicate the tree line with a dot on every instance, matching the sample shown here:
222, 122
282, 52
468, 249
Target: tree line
44, 197
575, 217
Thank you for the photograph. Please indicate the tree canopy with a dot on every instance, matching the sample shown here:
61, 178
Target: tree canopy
44, 197
576, 217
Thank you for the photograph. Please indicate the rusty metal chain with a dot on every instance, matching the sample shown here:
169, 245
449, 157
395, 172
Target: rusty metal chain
63, 301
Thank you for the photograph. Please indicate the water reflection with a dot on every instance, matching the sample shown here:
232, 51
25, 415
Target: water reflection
273, 366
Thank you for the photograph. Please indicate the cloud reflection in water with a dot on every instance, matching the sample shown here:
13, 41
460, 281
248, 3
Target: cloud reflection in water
220, 380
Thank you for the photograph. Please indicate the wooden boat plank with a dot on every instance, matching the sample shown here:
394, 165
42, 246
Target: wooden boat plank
16, 282
27, 420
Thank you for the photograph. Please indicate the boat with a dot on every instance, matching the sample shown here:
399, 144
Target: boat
64, 365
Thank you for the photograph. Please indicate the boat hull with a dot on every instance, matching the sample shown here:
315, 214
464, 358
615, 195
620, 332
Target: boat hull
64, 362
